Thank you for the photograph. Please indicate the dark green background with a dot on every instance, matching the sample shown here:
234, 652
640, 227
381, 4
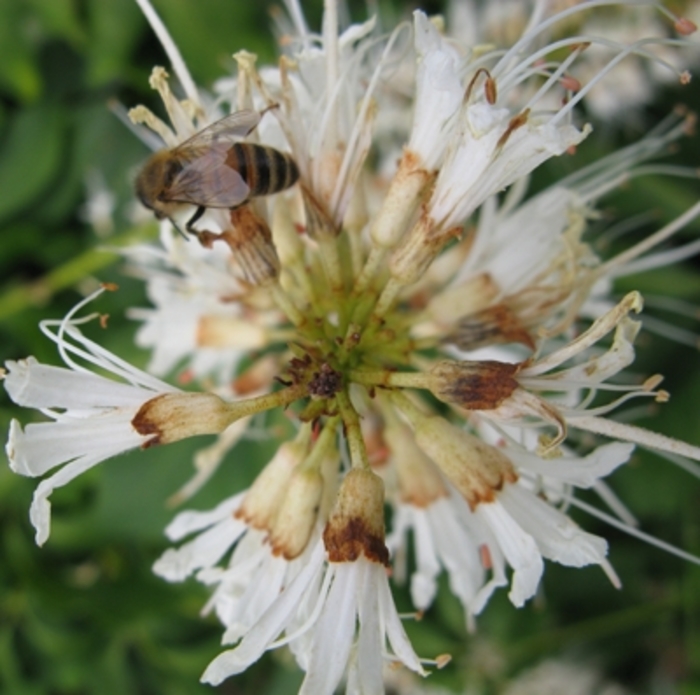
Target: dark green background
84, 614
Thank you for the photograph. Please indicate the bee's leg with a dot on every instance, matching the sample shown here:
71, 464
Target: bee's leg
195, 217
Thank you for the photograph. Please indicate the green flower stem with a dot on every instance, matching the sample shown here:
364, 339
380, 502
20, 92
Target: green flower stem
353, 432
330, 257
372, 266
387, 298
286, 305
411, 380
412, 412
268, 401
323, 446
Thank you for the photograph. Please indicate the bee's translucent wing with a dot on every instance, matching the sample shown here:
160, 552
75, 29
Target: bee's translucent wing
209, 181
228, 129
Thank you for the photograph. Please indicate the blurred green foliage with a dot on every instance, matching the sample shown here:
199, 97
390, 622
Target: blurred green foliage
84, 614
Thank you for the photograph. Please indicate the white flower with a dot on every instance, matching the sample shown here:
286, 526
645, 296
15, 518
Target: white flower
193, 319
91, 416
239, 598
355, 295
445, 537
352, 595
491, 152
94, 418
439, 92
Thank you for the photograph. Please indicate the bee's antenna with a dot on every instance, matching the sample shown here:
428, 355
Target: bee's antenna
177, 226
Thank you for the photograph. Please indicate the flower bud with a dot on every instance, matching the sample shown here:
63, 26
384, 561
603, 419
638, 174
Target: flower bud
402, 199
319, 224
174, 416
478, 470
297, 515
481, 385
286, 237
493, 326
463, 299
411, 259
356, 524
265, 496
216, 331
419, 481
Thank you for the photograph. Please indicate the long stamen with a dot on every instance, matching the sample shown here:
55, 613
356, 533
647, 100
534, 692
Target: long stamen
171, 49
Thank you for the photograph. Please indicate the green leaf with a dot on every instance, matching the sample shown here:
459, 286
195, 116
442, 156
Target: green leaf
114, 29
59, 18
30, 157
19, 73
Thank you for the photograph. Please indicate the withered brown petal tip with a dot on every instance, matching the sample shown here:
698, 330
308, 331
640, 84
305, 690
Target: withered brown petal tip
483, 386
346, 542
145, 426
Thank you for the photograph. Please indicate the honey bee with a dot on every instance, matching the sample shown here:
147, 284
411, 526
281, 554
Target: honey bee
213, 169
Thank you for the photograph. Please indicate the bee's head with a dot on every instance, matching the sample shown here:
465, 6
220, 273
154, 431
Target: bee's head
154, 180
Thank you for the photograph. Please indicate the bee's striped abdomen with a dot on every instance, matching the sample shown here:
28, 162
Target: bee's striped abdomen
265, 169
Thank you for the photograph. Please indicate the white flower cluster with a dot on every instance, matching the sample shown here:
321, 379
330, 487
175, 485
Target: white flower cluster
439, 345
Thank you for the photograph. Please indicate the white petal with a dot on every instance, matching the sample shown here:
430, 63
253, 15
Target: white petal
190, 521
370, 646
458, 551
423, 581
270, 625
557, 537
40, 510
400, 644
257, 597
519, 549
582, 472
333, 632
439, 92
41, 446
204, 551
36, 385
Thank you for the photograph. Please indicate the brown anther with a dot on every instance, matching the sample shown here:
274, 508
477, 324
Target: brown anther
485, 556
579, 46
441, 660
186, 376
689, 123
570, 83
104, 319
516, 122
488, 90
684, 26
